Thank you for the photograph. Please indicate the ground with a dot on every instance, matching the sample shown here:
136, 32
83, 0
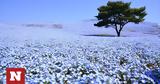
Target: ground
78, 54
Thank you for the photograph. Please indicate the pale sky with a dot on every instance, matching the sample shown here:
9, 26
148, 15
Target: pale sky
64, 11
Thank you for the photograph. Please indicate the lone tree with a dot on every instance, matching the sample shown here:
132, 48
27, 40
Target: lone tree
117, 14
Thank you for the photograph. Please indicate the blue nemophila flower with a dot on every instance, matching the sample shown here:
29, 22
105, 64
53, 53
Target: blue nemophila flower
154, 74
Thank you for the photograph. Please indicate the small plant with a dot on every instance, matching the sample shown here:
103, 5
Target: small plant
123, 61
150, 65
46, 82
123, 78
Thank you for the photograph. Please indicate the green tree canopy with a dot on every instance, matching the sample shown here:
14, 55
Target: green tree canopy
118, 14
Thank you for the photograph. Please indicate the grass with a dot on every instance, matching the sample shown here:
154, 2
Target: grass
101, 35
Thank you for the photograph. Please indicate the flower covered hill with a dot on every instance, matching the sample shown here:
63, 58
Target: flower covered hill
67, 56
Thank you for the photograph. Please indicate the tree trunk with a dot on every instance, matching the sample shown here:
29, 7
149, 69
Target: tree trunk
118, 30
118, 34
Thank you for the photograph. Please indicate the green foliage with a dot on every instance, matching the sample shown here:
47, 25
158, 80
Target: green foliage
123, 61
118, 14
46, 82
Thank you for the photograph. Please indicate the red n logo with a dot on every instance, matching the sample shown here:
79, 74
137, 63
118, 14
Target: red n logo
15, 76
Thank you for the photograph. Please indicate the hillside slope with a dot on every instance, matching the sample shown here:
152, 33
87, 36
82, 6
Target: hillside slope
66, 55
